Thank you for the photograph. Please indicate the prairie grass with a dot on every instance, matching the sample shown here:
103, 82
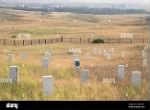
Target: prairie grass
67, 84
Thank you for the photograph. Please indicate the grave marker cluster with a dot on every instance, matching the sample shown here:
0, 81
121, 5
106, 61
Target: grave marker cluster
75, 51
126, 35
108, 81
135, 78
5, 80
108, 53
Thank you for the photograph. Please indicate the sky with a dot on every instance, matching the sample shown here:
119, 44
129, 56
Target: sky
88, 1
144, 4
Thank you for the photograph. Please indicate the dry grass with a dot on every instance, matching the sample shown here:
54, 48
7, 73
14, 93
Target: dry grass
66, 79
72, 25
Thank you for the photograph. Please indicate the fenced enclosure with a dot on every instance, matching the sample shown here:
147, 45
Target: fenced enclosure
15, 42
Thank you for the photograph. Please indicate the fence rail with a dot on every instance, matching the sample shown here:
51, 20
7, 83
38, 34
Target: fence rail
14, 42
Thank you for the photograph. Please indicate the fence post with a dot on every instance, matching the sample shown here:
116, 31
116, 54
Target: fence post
45, 41
119, 40
31, 42
56, 40
51, 40
62, 39
39, 41
88, 40
14, 42
23, 42
71, 39
4, 42
130, 40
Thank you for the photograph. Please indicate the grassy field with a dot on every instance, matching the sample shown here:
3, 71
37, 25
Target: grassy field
70, 25
66, 78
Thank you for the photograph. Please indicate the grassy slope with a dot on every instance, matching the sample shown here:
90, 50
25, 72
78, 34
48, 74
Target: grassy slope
58, 23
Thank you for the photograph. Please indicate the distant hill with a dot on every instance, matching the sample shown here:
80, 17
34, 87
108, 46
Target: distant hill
77, 8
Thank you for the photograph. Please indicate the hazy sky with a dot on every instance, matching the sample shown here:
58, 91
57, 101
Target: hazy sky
89, 1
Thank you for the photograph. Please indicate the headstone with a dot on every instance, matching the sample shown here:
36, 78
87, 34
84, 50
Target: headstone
144, 62
112, 50
75, 51
122, 54
94, 51
48, 85
79, 51
127, 65
5, 80
121, 72
109, 56
47, 54
13, 73
143, 53
105, 52
136, 78
70, 51
100, 52
108, 81
127, 35
76, 56
10, 58
88, 56
77, 63
24, 55
84, 75
45, 62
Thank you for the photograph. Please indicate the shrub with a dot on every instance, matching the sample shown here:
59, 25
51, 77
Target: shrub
98, 40
13, 36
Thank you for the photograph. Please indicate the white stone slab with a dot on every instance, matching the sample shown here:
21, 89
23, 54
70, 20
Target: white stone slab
48, 55
122, 54
94, 51
121, 72
24, 55
5, 80
109, 56
45, 62
136, 78
14, 73
84, 75
108, 81
10, 58
144, 62
48, 87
